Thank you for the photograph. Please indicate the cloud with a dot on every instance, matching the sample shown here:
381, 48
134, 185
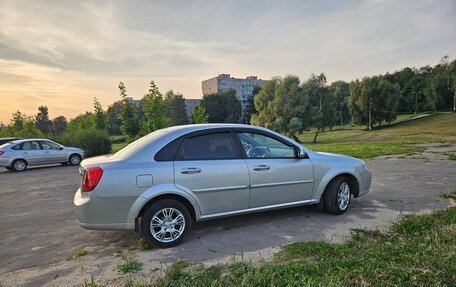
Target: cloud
53, 50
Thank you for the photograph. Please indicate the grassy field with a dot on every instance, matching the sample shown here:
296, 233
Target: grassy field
395, 139
419, 250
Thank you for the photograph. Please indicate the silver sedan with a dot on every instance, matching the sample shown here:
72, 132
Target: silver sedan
17, 155
162, 182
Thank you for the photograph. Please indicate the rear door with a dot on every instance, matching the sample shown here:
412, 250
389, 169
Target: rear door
210, 165
32, 152
277, 175
53, 153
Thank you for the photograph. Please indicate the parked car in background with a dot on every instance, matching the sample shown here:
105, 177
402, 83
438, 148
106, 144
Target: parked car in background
5, 140
162, 182
17, 155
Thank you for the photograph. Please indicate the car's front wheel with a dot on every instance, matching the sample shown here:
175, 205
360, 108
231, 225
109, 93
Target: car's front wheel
337, 195
74, 159
165, 223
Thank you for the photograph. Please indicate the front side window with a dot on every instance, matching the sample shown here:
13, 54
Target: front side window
208, 147
49, 145
260, 146
30, 146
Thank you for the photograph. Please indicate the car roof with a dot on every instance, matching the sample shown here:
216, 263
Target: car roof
197, 127
156, 140
26, 140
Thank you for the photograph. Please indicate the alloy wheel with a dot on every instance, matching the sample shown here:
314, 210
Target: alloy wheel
343, 196
167, 225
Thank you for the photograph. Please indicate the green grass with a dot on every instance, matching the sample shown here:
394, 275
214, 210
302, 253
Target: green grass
418, 251
452, 157
117, 146
396, 139
78, 254
131, 266
365, 150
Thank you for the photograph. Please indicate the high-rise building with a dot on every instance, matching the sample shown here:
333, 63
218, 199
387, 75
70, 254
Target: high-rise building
243, 87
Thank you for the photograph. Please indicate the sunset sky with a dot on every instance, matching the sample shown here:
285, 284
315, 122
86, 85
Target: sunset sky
64, 53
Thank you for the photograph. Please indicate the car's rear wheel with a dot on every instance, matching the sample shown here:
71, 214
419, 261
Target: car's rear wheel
19, 165
165, 223
74, 159
337, 195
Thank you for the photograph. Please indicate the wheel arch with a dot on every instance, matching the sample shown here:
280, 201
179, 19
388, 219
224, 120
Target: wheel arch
173, 196
353, 182
20, 158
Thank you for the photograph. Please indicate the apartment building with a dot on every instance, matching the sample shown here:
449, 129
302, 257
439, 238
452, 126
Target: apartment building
243, 87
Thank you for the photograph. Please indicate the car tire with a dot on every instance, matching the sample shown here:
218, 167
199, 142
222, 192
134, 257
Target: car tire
163, 233
337, 195
74, 159
19, 165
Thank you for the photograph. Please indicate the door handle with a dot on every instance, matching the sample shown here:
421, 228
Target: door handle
190, 170
47, 152
25, 152
261, 167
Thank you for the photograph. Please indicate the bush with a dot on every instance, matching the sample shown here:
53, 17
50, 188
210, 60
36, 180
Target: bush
93, 142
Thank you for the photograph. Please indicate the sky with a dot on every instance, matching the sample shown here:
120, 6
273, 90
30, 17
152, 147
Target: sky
62, 54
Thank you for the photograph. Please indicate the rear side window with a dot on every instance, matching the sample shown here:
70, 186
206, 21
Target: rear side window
31, 146
208, 147
168, 152
17, 147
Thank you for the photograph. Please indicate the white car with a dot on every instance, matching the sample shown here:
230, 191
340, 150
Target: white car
17, 155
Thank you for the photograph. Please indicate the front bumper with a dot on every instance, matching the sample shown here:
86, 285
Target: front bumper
365, 182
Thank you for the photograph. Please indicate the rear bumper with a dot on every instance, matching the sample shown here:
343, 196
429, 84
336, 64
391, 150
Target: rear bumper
93, 212
5, 162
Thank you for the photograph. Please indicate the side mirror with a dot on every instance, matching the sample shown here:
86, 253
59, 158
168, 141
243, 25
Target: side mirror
302, 153
60, 147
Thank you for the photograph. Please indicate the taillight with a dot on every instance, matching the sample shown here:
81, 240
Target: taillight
1, 152
91, 178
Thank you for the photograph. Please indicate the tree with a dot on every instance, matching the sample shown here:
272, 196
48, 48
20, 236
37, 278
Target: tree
287, 106
155, 110
340, 91
176, 108
222, 107
128, 114
373, 100
250, 109
114, 122
199, 115
59, 125
99, 117
282, 106
42, 120
321, 103
17, 120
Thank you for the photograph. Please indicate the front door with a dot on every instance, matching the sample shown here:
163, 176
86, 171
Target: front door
277, 175
53, 153
210, 166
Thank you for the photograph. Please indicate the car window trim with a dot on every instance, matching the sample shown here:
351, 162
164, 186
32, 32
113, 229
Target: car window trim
264, 133
178, 155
